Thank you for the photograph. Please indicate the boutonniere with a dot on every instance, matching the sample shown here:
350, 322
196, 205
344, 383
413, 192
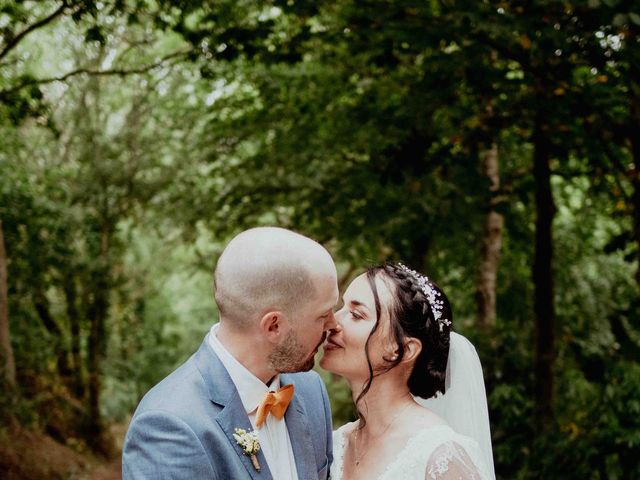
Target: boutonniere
249, 443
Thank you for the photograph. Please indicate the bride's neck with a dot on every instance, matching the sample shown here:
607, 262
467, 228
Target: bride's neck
386, 397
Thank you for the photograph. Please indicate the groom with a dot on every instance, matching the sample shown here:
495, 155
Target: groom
275, 291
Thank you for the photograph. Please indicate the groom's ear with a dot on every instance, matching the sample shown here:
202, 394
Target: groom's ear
412, 348
273, 326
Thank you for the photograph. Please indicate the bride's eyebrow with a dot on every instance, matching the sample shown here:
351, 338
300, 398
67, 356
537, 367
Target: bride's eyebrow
356, 303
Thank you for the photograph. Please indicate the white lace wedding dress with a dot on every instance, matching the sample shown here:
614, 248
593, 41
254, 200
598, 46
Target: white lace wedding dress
432, 453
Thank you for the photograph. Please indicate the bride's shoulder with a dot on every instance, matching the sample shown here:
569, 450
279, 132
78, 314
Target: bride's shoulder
420, 418
429, 433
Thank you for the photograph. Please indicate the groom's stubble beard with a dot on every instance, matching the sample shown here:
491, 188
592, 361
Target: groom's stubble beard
290, 356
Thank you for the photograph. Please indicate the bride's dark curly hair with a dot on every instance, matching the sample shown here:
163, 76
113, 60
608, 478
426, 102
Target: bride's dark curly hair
411, 315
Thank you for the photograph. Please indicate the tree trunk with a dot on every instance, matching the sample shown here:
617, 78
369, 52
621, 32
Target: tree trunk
41, 304
417, 256
95, 354
491, 243
7, 362
77, 382
636, 214
635, 172
97, 314
543, 279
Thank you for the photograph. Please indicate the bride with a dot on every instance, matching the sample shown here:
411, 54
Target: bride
394, 345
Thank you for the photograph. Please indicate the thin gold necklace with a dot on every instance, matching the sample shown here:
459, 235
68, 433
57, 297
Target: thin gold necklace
355, 440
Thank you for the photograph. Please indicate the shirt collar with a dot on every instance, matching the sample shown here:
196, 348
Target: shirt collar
250, 388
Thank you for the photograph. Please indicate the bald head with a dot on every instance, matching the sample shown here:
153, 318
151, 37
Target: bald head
268, 268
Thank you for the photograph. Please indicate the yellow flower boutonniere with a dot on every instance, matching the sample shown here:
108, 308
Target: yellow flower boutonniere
249, 443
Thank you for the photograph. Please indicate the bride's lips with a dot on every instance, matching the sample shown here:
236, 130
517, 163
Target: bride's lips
331, 344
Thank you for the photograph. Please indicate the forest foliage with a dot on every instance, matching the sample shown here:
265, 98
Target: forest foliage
493, 145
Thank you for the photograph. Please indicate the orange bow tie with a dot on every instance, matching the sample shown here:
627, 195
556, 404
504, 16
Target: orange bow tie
275, 403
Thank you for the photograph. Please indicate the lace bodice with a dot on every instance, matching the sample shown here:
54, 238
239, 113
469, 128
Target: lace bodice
435, 453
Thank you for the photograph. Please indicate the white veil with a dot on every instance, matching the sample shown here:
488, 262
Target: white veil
464, 404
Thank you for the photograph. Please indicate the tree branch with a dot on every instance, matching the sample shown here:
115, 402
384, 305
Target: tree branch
40, 23
89, 71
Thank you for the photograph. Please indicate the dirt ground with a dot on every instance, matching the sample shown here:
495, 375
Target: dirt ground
110, 471
26, 454
113, 469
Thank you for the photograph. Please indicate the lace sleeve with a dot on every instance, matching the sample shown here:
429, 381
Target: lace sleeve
451, 462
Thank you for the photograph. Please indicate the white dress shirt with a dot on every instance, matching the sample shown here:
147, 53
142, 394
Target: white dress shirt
273, 435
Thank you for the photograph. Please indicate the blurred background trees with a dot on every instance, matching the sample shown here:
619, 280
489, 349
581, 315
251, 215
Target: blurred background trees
492, 145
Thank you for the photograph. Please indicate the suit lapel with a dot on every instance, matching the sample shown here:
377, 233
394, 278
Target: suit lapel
223, 392
233, 416
300, 436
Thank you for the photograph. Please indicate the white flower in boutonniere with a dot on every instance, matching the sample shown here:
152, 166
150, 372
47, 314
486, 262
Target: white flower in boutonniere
249, 443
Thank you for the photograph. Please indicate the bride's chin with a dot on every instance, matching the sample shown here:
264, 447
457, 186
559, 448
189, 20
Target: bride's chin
326, 363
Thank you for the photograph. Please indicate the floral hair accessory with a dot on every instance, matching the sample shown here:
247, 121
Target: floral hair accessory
249, 443
431, 293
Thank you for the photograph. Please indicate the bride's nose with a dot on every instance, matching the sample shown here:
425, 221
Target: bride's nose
338, 326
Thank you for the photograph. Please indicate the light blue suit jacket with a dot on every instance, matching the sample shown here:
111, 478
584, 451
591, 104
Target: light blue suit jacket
183, 427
